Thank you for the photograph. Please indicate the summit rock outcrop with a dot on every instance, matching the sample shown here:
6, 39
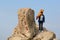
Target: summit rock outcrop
27, 29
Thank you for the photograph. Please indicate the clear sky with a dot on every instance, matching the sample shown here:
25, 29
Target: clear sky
9, 17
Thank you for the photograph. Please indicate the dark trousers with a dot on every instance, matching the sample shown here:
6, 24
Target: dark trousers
40, 26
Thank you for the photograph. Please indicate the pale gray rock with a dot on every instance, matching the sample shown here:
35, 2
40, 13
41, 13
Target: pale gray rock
45, 35
26, 24
27, 29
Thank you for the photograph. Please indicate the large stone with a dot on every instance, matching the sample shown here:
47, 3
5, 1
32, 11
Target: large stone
45, 35
27, 29
26, 24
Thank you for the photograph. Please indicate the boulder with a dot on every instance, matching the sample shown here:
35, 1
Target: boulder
26, 24
27, 29
45, 35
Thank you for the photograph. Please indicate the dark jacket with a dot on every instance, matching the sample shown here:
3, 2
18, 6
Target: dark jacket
41, 19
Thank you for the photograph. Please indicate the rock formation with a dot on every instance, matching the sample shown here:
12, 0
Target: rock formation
27, 29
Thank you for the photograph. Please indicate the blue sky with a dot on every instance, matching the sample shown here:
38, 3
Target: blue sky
9, 17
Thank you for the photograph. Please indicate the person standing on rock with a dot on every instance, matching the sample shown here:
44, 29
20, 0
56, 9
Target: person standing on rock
41, 19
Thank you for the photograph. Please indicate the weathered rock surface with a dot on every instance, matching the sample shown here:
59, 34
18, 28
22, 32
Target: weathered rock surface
27, 29
45, 35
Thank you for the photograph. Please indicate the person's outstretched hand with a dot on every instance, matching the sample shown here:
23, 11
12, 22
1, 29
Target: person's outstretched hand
36, 17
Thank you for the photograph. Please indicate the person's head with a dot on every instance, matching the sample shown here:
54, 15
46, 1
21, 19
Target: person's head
41, 11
